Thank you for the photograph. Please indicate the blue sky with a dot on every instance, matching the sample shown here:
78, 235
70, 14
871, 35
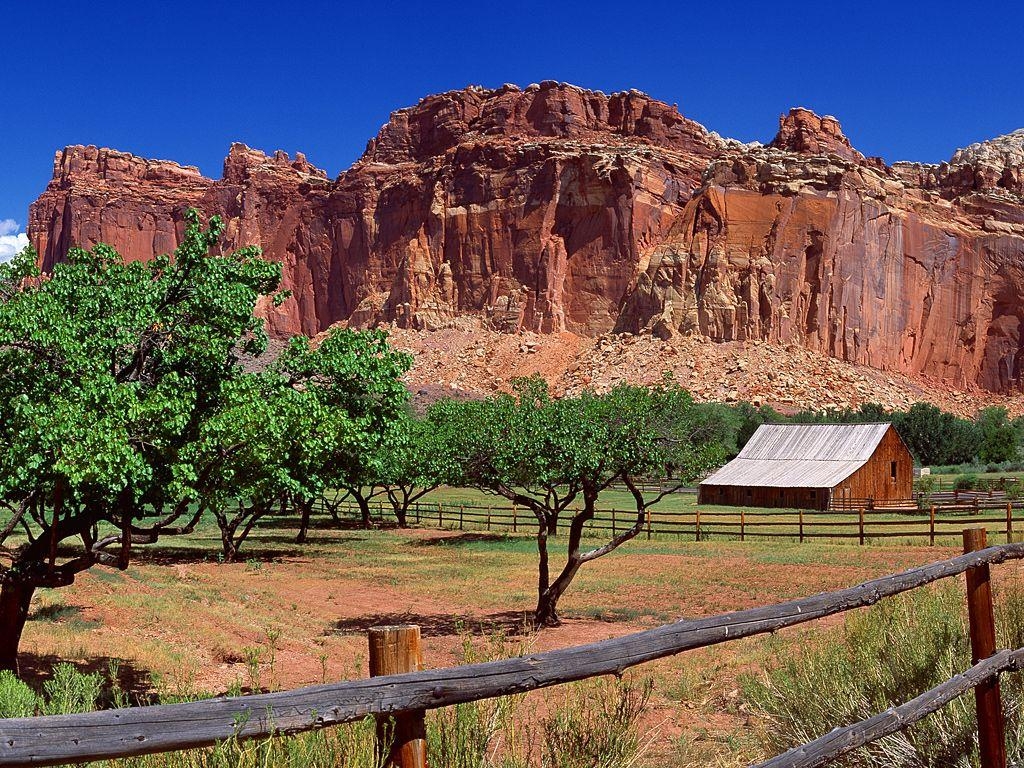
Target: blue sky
182, 80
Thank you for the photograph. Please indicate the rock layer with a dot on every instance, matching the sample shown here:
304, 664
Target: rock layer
556, 209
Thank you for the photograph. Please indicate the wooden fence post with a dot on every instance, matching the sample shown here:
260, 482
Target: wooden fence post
1009, 522
514, 518
991, 728
462, 512
613, 522
801, 526
394, 650
931, 526
860, 518
648, 514
417, 513
440, 514
698, 524
743, 524
488, 517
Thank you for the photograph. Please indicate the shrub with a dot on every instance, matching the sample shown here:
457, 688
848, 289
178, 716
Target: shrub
926, 484
70, 691
16, 698
966, 482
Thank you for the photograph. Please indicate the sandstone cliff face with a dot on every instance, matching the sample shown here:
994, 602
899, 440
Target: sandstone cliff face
557, 209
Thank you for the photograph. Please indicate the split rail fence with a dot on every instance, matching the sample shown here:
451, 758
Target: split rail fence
937, 522
404, 697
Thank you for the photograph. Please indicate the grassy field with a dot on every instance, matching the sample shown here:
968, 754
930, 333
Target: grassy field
180, 623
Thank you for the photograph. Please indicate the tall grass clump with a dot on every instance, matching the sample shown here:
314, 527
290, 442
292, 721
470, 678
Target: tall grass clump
588, 724
880, 658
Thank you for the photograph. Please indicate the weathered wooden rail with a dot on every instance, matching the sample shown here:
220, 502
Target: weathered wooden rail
53, 740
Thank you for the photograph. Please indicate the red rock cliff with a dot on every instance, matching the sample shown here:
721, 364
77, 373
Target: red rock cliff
554, 208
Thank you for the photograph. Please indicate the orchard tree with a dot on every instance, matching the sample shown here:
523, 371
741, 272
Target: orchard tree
109, 374
420, 462
555, 457
350, 413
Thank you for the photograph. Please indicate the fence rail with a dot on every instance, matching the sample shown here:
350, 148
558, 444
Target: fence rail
934, 523
57, 739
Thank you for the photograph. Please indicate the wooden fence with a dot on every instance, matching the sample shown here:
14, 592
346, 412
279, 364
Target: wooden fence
109, 734
936, 523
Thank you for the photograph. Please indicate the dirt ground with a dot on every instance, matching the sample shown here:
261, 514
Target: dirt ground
179, 622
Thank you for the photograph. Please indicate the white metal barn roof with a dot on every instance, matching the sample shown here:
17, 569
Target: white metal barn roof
801, 455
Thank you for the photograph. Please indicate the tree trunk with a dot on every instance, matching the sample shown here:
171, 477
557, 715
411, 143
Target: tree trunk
307, 510
228, 546
15, 599
545, 615
364, 510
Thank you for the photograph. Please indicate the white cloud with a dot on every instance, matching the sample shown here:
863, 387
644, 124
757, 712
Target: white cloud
12, 242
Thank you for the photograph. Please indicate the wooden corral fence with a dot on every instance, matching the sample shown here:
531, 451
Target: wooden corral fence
931, 524
111, 734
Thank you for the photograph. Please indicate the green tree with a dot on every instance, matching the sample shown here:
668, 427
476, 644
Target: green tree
555, 456
344, 402
421, 460
109, 372
936, 437
998, 436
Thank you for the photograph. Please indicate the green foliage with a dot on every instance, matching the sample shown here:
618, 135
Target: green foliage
936, 437
968, 482
69, 691
110, 366
112, 369
883, 657
16, 698
314, 419
926, 484
530, 440
998, 436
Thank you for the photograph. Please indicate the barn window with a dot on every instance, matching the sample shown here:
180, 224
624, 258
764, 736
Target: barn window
892, 470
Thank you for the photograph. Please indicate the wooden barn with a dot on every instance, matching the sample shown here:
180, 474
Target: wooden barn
814, 466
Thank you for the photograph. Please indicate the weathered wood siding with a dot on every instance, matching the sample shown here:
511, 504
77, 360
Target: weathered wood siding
747, 496
887, 475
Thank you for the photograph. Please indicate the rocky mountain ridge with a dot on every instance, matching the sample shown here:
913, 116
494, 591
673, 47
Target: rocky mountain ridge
553, 209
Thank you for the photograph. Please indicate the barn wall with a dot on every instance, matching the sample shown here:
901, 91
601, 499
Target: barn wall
874, 480
743, 496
